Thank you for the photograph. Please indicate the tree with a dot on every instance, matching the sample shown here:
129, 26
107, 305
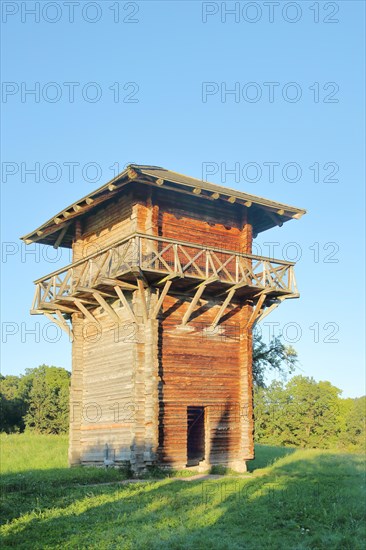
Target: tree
274, 356
12, 405
353, 414
315, 412
47, 391
302, 413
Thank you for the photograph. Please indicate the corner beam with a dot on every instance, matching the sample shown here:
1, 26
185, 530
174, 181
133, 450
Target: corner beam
143, 300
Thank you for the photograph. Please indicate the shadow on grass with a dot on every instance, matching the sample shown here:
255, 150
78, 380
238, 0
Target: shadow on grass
19, 491
307, 500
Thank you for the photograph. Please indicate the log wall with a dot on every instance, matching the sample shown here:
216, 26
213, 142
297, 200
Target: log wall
104, 405
132, 385
201, 367
100, 228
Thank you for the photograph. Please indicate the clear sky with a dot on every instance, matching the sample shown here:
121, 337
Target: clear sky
149, 82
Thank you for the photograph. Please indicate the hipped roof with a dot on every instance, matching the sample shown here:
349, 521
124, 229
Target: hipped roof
265, 213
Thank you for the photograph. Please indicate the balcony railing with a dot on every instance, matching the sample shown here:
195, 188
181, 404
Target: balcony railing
158, 257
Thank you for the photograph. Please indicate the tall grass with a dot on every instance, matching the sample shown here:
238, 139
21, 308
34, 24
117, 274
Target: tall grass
28, 451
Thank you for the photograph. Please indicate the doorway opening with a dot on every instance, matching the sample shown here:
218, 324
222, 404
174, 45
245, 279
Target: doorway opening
195, 435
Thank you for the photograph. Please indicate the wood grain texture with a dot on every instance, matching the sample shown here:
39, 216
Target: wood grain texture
133, 382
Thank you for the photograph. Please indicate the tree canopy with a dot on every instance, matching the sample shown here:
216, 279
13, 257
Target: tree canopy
306, 413
37, 400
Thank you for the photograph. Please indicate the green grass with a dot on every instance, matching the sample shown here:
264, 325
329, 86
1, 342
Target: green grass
293, 499
28, 451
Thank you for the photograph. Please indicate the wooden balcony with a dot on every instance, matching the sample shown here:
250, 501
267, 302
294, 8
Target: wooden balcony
154, 261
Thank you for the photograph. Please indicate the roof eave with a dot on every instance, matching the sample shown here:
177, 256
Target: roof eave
279, 212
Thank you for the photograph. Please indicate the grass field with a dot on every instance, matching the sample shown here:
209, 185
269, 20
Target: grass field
291, 499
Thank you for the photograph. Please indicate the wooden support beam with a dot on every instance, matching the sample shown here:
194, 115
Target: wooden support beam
55, 229
117, 282
89, 200
277, 220
164, 292
193, 303
51, 317
61, 235
215, 195
224, 305
261, 293
269, 309
85, 311
159, 181
256, 310
143, 299
207, 282
60, 323
125, 303
239, 285
53, 306
232, 287
101, 301
77, 207
82, 300
231, 200
248, 204
37, 296
197, 190
169, 277
112, 187
90, 290
63, 322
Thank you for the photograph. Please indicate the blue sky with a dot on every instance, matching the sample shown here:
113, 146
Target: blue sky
150, 104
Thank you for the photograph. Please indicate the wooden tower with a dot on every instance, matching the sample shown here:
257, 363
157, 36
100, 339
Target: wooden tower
159, 301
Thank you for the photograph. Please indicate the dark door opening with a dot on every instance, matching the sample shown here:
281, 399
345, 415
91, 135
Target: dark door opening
195, 435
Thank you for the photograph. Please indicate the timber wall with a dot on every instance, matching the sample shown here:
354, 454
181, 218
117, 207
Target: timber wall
211, 369
132, 391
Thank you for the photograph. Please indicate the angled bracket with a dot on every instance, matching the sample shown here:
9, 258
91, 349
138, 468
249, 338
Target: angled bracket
85, 311
199, 291
268, 310
61, 235
164, 292
61, 322
125, 303
117, 282
169, 277
256, 311
224, 305
107, 308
